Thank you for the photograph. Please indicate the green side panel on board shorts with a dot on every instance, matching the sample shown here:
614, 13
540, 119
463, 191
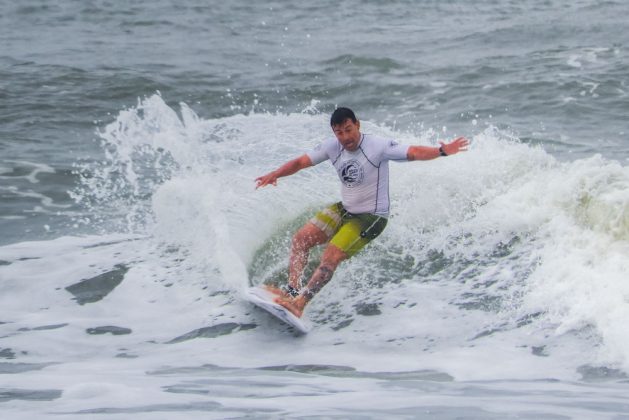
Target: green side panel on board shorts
349, 232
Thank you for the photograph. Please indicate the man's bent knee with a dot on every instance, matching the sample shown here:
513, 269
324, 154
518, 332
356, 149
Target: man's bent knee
308, 236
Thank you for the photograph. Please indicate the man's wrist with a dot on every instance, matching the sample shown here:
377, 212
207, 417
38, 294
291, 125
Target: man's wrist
442, 152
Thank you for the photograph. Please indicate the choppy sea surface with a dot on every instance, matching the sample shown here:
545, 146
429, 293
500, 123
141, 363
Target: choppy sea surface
130, 136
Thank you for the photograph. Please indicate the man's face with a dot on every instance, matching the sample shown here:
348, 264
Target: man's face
348, 134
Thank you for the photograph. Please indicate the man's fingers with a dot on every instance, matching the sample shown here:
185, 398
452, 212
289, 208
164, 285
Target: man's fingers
461, 144
263, 181
457, 145
260, 182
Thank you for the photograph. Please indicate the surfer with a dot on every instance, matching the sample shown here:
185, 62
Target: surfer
361, 161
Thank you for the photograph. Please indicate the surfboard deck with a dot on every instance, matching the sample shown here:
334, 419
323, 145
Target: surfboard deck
264, 299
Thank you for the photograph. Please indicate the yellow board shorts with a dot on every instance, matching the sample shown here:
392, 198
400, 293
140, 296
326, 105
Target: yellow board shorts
349, 232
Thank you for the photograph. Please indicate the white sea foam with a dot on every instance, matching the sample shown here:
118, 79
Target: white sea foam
500, 263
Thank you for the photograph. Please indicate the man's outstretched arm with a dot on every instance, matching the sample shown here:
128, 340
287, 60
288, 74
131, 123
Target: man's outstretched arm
286, 169
446, 149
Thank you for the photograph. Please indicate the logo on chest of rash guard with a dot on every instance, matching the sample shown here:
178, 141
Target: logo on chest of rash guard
352, 173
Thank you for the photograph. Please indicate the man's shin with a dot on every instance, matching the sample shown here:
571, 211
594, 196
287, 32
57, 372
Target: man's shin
320, 278
297, 264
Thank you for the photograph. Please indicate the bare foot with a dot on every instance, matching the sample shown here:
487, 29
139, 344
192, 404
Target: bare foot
294, 305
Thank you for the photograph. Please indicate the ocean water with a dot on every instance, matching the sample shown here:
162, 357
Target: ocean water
130, 138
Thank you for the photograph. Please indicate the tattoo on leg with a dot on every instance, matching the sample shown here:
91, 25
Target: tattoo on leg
320, 278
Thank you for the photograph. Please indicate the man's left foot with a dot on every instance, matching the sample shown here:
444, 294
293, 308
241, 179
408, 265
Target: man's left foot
278, 291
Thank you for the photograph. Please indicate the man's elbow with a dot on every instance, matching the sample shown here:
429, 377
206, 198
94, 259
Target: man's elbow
304, 162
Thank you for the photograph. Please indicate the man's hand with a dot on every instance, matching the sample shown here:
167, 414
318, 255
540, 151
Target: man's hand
264, 180
430, 152
457, 145
286, 169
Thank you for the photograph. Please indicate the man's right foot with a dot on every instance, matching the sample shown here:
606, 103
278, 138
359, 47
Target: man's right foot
292, 304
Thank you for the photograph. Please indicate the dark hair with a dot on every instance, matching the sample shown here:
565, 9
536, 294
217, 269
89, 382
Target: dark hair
340, 115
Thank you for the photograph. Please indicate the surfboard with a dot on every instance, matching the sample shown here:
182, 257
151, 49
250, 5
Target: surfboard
264, 299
